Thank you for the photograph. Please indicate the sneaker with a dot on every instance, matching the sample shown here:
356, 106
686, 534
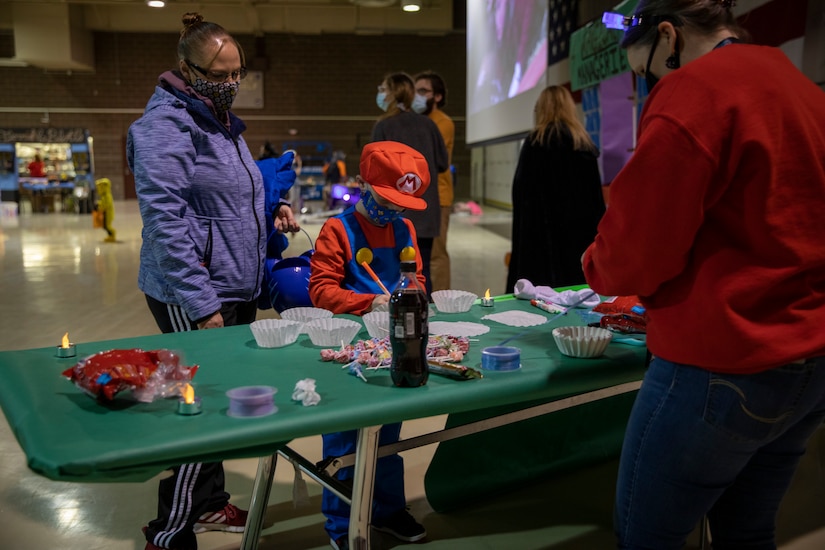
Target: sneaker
402, 526
341, 543
231, 519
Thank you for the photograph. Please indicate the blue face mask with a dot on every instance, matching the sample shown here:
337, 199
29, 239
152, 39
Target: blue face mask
419, 104
381, 101
377, 213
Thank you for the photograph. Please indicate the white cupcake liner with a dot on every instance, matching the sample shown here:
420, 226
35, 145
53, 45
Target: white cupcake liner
582, 341
377, 323
332, 331
453, 301
305, 314
275, 333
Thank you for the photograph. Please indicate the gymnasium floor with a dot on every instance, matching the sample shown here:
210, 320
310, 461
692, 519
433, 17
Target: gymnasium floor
56, 274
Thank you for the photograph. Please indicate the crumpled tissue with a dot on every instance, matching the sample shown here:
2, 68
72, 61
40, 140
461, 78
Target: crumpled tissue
305, 392
525, 290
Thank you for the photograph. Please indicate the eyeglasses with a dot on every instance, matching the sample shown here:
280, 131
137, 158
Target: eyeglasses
240, 74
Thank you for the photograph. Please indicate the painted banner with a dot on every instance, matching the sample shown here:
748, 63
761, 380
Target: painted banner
595, 54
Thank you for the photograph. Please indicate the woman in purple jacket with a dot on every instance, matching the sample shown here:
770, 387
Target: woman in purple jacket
201, 198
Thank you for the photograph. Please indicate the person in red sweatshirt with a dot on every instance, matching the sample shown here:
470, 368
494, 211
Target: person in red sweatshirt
716, 224
393, 177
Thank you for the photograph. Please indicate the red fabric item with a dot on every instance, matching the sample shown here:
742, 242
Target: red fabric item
716, 220
623, 314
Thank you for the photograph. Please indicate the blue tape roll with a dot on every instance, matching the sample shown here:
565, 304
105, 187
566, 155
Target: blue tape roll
500, 358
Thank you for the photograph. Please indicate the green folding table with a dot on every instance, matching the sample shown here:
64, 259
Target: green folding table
68, 436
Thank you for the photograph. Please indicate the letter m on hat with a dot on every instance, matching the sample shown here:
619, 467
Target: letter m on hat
409, 183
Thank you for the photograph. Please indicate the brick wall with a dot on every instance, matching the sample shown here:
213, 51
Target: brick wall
317, 75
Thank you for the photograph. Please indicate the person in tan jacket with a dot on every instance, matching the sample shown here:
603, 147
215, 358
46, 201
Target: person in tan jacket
431, 86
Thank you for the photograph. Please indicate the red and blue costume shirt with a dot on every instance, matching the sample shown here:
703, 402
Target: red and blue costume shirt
338, 282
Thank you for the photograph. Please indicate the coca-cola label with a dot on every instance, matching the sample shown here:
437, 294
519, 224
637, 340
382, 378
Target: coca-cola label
407, 327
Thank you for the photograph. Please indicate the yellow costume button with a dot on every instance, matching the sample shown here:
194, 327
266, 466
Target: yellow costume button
363, 255
407, 254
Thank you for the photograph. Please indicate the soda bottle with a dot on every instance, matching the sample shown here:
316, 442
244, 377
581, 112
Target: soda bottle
409, 330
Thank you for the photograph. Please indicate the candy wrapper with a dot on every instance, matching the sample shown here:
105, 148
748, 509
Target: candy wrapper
305, 392
149, 374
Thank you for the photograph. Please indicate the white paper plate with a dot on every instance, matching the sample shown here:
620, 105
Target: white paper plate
459, 328
517, 318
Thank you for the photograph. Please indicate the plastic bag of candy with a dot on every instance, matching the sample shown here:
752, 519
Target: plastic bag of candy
624, 314
148, 374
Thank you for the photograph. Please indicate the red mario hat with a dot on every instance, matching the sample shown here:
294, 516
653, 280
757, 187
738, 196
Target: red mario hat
397, 172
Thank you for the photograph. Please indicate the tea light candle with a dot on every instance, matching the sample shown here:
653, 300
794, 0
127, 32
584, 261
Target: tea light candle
66, 349
189, 409
487, 301
188, 404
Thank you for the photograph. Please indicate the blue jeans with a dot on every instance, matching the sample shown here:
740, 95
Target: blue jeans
718, 444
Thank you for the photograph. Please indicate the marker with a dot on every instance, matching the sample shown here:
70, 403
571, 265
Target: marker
375, 278
548, 307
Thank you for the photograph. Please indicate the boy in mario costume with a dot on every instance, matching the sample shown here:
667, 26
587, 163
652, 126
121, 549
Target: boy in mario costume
393, 178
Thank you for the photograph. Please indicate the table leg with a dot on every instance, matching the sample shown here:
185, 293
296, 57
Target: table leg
260, 499
366, 455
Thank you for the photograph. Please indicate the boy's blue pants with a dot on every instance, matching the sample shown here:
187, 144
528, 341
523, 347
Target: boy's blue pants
388, 495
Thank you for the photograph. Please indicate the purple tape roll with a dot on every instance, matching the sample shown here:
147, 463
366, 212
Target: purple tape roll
251, 401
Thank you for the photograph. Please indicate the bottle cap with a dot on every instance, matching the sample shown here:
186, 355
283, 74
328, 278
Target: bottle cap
407, 267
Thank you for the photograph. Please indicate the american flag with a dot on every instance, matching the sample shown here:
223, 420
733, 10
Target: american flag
562, 20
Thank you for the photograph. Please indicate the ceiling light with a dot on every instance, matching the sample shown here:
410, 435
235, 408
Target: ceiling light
155, 3
410, 5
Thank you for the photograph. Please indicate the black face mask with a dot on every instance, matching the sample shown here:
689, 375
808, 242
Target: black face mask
650, 78
671, 63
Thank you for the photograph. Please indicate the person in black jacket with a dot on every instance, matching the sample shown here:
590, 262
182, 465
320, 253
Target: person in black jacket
557, 196
401, 123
